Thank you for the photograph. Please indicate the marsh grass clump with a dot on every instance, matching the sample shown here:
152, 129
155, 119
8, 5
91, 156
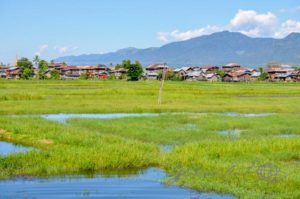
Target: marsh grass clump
72, 150
87, 167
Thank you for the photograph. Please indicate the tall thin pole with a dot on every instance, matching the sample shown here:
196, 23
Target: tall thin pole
161, 85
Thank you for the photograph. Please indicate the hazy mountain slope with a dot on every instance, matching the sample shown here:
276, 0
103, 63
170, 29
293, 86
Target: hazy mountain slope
217, 48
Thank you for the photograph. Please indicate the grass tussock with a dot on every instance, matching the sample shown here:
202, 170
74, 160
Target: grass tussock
71, 150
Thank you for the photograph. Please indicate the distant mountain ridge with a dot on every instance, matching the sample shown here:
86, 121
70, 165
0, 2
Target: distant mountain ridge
215, 49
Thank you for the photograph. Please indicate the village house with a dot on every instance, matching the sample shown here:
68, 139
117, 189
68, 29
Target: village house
152, 71
151, 75
295, 75
231, 67
120, 72
278, 73
102, 75
56, 66
183, 71
209, 69
212, 77
156, 67
3, 70
13, 73
195, 76
74, 72
238, 76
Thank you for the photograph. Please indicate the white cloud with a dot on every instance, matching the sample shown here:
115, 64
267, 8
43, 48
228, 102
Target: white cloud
251, 23
248, 22
65, 49
163, 36
288, 27
41, 49
177, 35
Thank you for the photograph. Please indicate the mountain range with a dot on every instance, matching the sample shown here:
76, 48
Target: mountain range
215, 49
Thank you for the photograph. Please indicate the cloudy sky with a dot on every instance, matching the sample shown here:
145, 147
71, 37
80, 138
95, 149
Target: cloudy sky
53, 28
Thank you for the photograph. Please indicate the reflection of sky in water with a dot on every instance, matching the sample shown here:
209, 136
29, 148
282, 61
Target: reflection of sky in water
233, 133
146, 184
235, 114
288, 135
63, 117
8, 148
166, 148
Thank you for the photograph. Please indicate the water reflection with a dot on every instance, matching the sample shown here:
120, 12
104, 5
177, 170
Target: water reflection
146, 184
7, 148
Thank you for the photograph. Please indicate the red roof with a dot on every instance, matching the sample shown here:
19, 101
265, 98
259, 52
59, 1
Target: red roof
232, 65
209, 67
156, 66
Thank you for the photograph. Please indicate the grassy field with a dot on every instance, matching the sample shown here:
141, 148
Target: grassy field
31, 97
259, 158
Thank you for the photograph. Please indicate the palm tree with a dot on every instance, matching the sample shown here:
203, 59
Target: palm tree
36, 61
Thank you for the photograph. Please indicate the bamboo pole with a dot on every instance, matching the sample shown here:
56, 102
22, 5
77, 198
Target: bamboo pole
161, 85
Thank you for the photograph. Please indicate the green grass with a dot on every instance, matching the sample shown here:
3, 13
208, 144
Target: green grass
65, 149
188, 127
30, 97
202, 158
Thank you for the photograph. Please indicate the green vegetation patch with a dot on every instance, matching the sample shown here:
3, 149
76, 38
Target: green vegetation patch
67, 150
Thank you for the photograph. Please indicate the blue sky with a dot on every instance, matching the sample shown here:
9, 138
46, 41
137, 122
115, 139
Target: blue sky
53, 28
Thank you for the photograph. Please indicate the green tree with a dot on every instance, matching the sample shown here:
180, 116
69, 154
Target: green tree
221, 73
43, 67
135, 70
25, 66
263, 75
55, 74
27, 73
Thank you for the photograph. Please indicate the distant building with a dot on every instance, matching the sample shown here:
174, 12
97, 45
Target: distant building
209, 69
3, 70
238, 76
231, 67
152, 75
195, 76
156, 67
120, 72
279, 73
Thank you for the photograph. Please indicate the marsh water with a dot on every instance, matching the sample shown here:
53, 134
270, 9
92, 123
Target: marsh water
235, 114
62, 117
231, 133
142, 184
7, 148
145, 184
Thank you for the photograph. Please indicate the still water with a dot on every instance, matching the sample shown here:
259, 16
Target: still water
146, 184
7, 148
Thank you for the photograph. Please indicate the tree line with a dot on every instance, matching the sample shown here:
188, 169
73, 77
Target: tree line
26, 66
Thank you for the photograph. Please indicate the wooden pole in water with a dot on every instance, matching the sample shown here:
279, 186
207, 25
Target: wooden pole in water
161, 85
